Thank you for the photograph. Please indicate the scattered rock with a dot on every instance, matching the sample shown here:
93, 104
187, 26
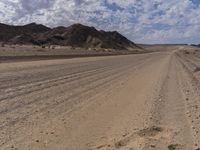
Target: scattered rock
125, 134
186, 52
196, 69
101, 146
152, 131
120, 144
153, 146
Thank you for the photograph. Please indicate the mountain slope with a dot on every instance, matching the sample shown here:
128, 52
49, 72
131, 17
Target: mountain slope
8, 31
76, 35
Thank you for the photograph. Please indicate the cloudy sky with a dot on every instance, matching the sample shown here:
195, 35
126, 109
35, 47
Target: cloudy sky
144, 21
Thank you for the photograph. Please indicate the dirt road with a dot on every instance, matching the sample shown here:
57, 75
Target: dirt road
134, 102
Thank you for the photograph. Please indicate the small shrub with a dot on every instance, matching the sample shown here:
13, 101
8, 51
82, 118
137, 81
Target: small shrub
2, 44
186, 52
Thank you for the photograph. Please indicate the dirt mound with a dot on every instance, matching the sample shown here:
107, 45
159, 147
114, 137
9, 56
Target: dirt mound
76, 35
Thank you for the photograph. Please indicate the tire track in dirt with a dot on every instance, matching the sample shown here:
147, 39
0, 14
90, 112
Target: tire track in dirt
168, 127
170, 112
93, 81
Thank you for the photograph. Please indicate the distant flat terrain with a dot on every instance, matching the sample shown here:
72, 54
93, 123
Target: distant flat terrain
146, 102
9, 53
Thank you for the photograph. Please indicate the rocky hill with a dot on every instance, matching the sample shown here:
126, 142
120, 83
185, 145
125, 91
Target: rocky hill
76, 35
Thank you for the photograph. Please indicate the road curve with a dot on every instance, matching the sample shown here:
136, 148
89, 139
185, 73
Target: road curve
143, 101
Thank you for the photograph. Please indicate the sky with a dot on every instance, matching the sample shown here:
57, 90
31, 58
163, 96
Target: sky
142, 21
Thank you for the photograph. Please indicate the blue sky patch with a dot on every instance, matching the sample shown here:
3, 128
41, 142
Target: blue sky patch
113, 6
142, 21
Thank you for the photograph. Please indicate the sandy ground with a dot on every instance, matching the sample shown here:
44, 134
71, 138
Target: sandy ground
10, 53
134, 102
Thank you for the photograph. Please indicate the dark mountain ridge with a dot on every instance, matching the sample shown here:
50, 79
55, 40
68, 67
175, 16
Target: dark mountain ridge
76, 35
9, 31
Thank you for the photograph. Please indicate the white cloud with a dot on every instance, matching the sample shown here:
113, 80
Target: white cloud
149, 21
